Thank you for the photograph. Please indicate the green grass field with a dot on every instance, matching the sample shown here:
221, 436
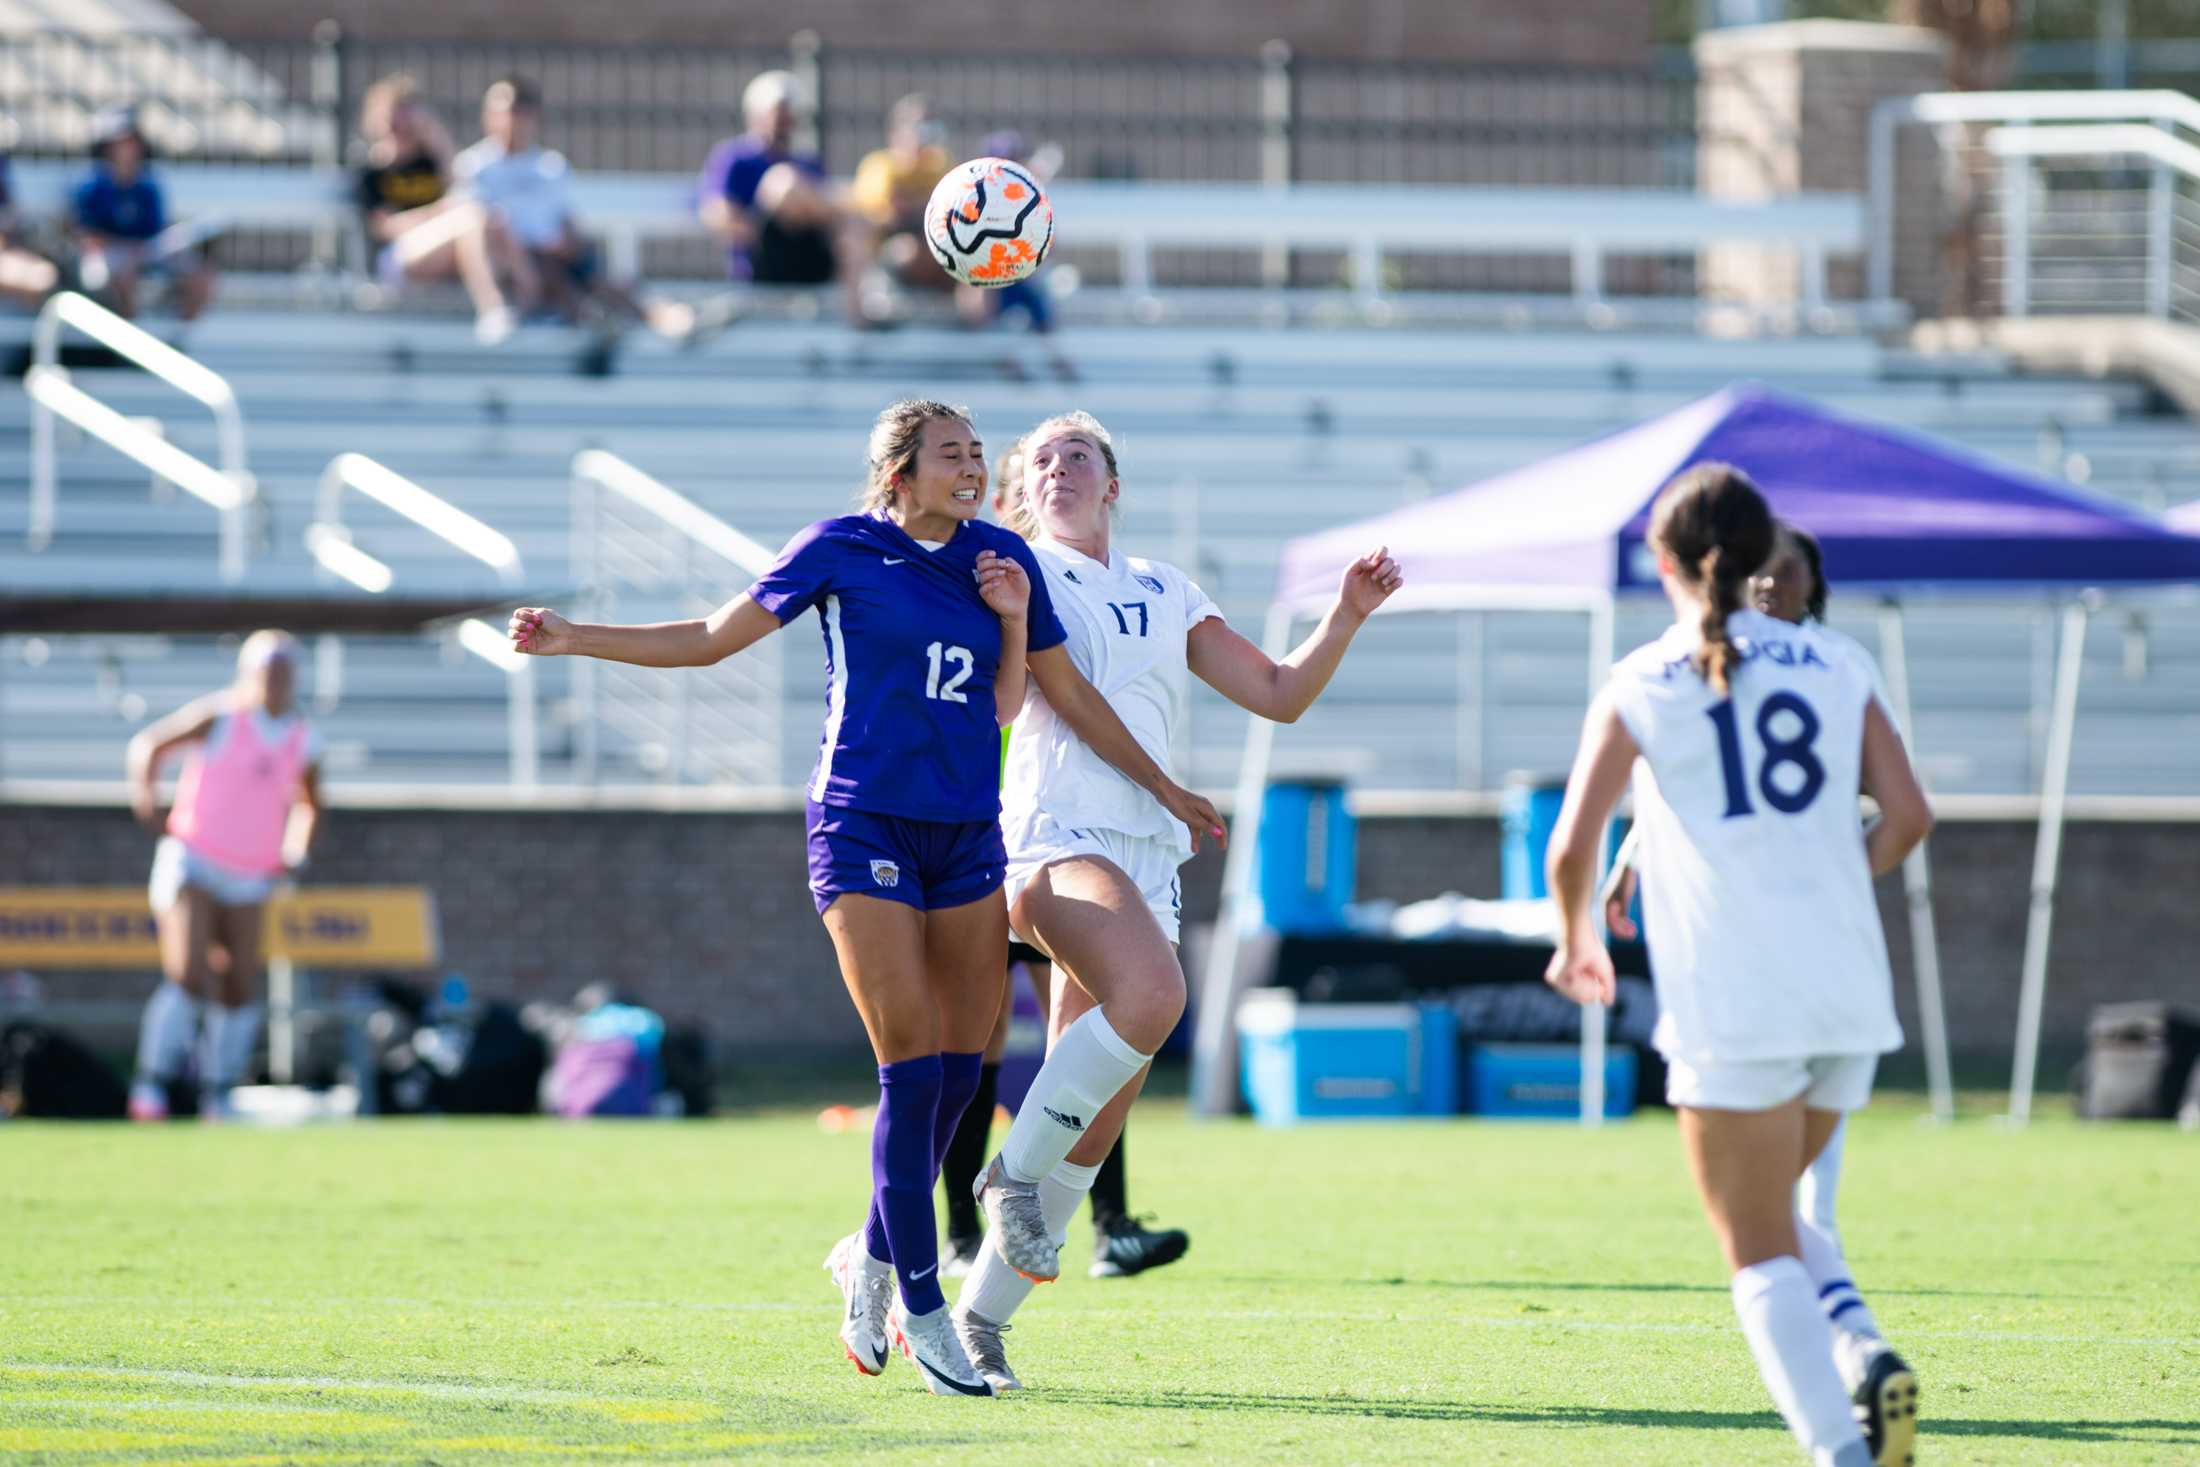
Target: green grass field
475, 1292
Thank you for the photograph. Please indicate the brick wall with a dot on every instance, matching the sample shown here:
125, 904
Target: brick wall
1584, 32
708, 914
1787, 108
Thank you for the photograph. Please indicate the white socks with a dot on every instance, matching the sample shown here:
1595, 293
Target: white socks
995, 1290
1814, 1193
1084, 1069
227, 1050
1794, 1350
165, 1033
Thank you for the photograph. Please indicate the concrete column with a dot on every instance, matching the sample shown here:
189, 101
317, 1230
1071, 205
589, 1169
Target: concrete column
1786, 108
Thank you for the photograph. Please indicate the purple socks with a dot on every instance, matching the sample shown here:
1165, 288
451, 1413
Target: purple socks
920, 1102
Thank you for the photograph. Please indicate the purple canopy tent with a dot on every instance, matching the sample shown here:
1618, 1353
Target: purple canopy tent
1895, 511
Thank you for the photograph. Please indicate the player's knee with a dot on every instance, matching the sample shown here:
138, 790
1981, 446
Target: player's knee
1143, 1011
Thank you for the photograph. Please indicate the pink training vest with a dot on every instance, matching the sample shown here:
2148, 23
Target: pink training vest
233, 800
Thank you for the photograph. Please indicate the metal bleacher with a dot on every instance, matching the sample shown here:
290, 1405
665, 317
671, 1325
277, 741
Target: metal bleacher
1233, 440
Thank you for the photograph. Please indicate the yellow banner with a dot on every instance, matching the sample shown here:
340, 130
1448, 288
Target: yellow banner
315, 927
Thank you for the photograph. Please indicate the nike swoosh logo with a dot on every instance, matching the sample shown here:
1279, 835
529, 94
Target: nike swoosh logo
890, 560
951, 1383
915, 1276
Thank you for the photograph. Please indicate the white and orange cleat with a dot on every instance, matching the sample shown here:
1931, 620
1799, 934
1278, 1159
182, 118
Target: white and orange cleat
866, 1291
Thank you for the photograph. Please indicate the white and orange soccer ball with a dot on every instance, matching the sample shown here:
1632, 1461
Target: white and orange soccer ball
989, 223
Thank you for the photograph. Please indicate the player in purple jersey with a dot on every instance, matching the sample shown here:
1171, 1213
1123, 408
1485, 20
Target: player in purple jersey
931, 621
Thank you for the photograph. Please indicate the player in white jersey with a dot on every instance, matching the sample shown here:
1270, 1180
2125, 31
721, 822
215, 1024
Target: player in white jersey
1749, 741
1092, 862
1791, 587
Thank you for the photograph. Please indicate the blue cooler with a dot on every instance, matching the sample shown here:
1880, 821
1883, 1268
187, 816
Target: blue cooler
1544, 1080
1527, 814
1345, 1061
1305, 864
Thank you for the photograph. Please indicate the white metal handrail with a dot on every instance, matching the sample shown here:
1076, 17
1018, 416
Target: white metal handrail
719, 726
229, 488
330, 543
2172, 157
2160, 108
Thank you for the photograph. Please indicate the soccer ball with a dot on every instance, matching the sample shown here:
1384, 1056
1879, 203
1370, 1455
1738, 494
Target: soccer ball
989, 223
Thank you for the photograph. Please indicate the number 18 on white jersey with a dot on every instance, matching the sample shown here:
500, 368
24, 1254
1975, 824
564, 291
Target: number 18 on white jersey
1764, 933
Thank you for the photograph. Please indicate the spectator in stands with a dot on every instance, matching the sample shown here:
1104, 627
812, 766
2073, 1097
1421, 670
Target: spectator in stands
417, 228
891, 187
26, 277
768, 201
529, 187
247, 807
120, 222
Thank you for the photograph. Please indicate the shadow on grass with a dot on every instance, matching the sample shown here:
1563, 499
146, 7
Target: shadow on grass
1575, 1286
2149, 1431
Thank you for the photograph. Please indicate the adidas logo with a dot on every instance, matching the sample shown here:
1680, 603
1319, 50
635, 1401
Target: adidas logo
1073, 1123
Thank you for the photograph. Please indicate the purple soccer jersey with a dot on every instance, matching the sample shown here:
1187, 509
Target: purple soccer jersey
911, 651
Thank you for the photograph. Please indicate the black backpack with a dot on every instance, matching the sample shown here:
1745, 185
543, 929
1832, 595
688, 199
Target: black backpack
48, 1075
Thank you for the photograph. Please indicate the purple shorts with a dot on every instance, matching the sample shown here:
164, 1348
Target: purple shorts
929, 864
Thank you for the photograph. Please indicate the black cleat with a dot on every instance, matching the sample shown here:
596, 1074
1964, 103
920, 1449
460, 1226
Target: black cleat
1886, 1409
1124, 1246
961, 1256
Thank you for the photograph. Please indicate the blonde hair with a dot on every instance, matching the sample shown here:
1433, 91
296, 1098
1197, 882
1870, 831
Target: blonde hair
895, 438
381, 102
1008, 492
265, 646
1023, 519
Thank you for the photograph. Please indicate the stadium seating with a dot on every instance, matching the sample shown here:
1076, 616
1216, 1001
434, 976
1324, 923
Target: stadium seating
1233, 440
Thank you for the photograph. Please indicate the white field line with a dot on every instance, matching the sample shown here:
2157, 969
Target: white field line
692, 1306
449, 1390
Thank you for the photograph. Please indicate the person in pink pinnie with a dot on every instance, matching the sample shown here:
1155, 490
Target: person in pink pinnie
247, 806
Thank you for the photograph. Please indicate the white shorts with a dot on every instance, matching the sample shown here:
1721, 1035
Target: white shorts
176, 866
1150, 861
1840, 1082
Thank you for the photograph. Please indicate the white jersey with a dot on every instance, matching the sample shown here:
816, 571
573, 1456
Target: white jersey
1127, 621
1757, 897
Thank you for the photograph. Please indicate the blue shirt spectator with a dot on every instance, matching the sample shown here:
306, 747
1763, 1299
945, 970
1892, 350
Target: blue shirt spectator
108, 206
768, 201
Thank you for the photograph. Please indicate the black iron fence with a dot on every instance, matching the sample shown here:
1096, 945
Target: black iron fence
660, 108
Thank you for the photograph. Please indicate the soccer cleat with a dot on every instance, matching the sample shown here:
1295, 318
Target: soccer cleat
981, 1341
1012, 1207
1886, 1409
148, 1101
962, 1256
866, 1295
1124, 1246
935, 1348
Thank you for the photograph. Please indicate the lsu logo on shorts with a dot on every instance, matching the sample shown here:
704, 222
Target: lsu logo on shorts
885, 873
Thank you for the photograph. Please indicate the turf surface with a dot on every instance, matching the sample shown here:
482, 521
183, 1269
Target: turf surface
474, 1292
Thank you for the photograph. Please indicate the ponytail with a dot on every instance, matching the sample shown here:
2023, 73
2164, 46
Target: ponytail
1715, 526
1722, 579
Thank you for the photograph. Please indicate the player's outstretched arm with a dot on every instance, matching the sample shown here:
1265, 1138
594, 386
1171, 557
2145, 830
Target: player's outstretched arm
1582, 968
1905, 816
541, 632
1080, 705
1241, 672
151, 746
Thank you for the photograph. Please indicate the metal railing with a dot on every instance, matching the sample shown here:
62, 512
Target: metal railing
643, 551
1959, 122
2078, 236
329, 540
229, 488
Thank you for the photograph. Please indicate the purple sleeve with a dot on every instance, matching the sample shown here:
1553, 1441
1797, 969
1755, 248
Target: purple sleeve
801, 576
1045, 629
729, 173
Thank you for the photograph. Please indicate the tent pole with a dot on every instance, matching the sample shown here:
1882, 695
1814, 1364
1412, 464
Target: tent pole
2054, 793
1595, 1016
1214, 1032
1917, 880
